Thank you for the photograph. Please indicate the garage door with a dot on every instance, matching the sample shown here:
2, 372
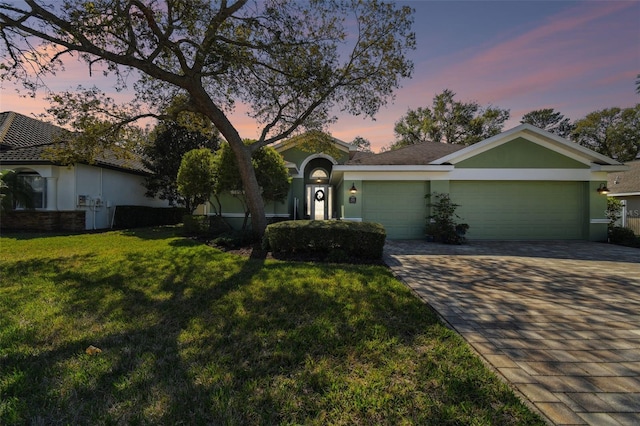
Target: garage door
399, 206
521, 210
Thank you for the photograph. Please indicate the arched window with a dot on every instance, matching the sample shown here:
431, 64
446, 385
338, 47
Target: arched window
39, 186
319, 175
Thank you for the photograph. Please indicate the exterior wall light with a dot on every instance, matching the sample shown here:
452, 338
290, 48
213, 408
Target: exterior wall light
353, 189
602, 189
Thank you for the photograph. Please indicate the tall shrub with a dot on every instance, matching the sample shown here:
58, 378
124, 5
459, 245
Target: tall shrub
441, 223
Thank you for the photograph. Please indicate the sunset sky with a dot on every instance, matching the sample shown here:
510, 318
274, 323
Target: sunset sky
574, 56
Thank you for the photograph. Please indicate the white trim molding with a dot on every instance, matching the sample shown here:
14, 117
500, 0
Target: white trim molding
599, 221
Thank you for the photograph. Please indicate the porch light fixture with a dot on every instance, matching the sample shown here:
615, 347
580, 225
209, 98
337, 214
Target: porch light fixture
602, 189
353, 189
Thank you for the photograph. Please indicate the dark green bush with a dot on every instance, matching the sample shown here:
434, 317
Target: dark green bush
342, 238
142, 216
204, 226
235, 239
623, 236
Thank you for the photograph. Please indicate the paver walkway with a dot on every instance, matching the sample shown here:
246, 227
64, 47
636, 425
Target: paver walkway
560, 321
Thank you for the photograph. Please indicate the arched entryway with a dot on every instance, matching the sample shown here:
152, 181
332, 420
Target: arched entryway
319, 200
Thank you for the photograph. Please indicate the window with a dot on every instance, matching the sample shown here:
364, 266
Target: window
319, 175
38, 185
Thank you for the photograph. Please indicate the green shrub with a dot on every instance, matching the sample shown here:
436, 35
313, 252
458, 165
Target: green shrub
336, 237
205, 226
623, 236
234, 239
441, 225
127, 217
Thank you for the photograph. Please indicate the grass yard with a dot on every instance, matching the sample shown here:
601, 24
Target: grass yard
192, 335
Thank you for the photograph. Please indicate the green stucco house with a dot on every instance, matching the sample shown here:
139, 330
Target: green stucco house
523, 184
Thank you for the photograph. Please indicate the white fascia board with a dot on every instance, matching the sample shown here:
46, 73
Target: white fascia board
623, 194
371, 172
609, 169
402, 168
395, 176
524, 174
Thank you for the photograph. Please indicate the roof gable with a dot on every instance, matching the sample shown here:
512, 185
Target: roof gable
535, 135
293, 152
521, 153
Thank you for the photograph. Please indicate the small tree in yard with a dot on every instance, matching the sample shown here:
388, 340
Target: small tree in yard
441, 224
163, 156
614, 211
197, 177
271, 173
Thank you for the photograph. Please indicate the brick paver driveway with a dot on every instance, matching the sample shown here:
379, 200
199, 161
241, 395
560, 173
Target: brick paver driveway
560, 321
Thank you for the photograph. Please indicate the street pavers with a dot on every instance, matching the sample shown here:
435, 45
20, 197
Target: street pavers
560, 321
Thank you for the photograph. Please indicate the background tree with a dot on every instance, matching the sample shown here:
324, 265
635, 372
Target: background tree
549, 120
197, 177
290, 62
270, 169
163, 156
613, 132
449, 121
362, 144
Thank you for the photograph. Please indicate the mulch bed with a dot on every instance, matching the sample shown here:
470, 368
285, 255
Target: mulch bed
255, 251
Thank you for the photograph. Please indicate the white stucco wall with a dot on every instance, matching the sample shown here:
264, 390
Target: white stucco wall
105, 190
112, 187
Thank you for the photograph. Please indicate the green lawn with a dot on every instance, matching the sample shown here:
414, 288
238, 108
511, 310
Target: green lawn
192, 335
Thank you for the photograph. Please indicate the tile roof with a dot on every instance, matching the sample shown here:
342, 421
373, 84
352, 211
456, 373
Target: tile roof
25, 140
419, 154
625, 182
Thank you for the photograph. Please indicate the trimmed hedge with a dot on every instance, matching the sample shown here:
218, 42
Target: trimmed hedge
357, 239
142, 216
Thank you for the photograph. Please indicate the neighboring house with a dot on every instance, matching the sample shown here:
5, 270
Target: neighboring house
523, 184
75, 197
625, 185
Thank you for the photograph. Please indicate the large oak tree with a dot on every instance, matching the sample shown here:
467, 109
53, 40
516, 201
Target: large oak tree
449, 121
614, 132
292, 63
550, 120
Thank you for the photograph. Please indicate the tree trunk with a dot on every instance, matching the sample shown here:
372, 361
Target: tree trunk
251, 188
205, 105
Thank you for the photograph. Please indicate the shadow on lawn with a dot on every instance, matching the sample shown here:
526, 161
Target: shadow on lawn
197, 337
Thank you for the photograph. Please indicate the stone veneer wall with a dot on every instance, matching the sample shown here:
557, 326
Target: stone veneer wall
29, 220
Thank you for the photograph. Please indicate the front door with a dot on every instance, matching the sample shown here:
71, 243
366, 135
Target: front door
319, 199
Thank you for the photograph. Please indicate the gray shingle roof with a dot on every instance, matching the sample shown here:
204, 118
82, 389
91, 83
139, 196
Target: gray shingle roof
625, 182
25, 140
419, 154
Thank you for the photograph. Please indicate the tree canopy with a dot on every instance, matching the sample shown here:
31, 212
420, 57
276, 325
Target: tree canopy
449, 121
270, 169
614, 132
550, 120
163, 155
362, 144
197, 177
290, 62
